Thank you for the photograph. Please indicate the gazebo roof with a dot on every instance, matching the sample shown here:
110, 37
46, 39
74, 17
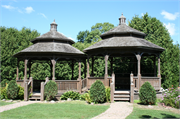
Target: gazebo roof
121, 37
51, 43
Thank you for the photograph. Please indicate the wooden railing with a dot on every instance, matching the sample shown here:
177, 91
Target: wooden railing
65, 85
84, 83
112, 86
154, 81
42, 88
28, 88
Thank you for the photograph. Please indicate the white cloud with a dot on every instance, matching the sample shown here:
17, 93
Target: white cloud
43, 15
169, 16
170, 27
29, 10
8, 7
142, 14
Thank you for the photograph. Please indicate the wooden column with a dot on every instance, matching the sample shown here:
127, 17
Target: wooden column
159, 71
88, 75
79, 78
25, 69
138, 56
72, 69
131, 89
106, 70
42, 91
155, 72
92, 72
51, 69
53, 64
17, 71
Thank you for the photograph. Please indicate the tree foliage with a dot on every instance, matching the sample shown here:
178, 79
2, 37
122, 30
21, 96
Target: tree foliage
158, 34
12, 89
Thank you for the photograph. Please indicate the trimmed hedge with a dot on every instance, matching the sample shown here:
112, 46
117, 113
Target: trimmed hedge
147, 94
12, 89
97, 92
50, 90
70, 94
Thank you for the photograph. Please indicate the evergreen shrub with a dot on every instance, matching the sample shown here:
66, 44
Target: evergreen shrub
108, 93
12, 89
20, 92
3, 93
50, 90
147, 94
97, 92
70, 94
86, 97
4, 82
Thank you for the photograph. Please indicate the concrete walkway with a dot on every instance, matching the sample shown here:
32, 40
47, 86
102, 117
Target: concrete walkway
117, 110
15, 105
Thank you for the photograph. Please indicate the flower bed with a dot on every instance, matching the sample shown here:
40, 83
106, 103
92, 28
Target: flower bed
171, 97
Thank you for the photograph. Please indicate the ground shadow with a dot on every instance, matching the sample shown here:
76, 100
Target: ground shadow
168, 116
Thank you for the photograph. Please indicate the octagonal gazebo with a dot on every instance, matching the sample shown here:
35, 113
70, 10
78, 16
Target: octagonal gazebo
51, 46
124, 41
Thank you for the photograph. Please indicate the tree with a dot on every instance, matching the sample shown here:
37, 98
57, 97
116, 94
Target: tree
13, 41
94, 34
158, 34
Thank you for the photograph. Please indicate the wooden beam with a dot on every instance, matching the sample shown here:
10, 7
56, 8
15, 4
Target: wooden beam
138, 56
106, 70
25, 69
53, 64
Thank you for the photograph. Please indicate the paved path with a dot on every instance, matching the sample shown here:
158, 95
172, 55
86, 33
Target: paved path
117, 110
15, 105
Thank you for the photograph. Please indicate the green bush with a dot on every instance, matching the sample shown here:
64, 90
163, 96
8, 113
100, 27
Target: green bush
50, 90
86, 97
20, 92
12, 89
108, 93
70, 94
4, 82
97, 92
3, 93
147, 94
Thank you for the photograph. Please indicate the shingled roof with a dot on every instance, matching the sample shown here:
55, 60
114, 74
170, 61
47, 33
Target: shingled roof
51, 42
123, 36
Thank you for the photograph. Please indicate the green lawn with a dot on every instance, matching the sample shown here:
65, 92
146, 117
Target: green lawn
2, 103
151, 113
67, 110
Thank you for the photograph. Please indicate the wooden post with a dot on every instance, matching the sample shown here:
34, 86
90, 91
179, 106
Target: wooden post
88, 75
131, 88
92, 65
138, 56
25, 69
25, 91
42, 91
106, 70
85, 69
17, 71
72, 68
79, 77
51, 70
159, 71
112, 86
53, 63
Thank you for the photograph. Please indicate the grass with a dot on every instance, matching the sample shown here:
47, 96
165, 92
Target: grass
139, 102
151, 113
2, 103
67, 110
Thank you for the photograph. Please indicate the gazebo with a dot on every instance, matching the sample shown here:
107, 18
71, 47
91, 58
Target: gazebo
125, 42
50, 47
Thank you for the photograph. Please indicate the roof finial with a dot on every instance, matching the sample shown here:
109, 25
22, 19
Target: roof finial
122, 19
53, 26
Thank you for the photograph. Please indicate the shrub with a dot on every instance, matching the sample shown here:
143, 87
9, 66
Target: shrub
97, 92
3, 93
171, 97
20, 92
50, 90
147, 94
4, 82
86, 97
12, 89
108, 93
70, 94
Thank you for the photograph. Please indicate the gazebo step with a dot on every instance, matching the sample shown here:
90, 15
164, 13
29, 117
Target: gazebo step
121, 99
121, 96
122, 92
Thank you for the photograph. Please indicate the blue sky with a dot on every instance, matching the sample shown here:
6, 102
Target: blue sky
79, 15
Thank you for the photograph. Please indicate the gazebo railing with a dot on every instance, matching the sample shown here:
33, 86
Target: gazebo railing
84, 83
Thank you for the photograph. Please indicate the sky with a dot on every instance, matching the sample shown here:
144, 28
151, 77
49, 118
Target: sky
73, 16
